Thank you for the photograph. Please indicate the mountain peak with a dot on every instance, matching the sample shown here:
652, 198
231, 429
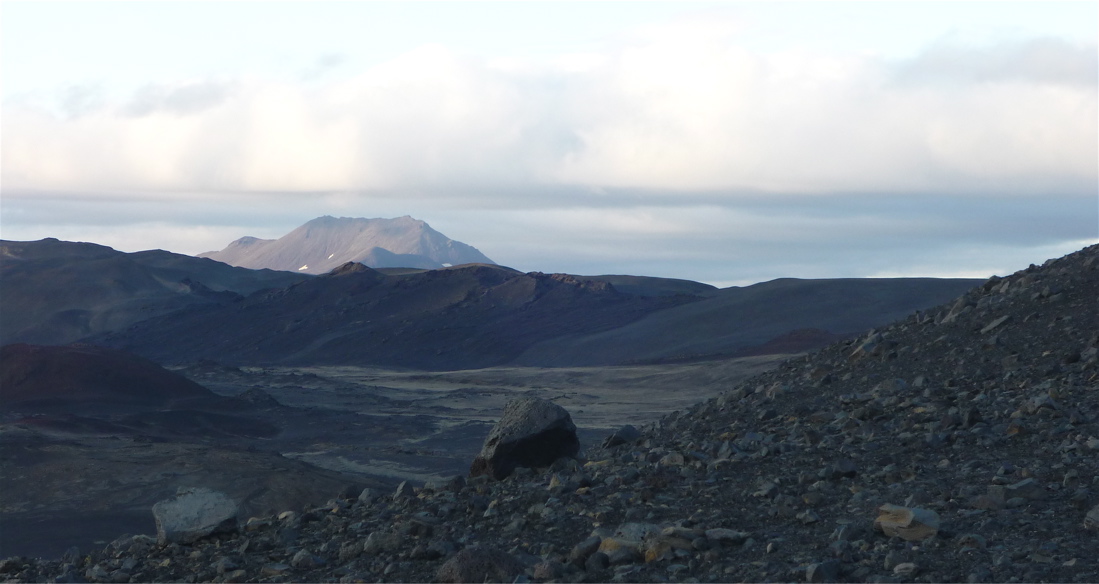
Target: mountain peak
326, 243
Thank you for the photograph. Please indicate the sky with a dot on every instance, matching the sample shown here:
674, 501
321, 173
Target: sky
722, 142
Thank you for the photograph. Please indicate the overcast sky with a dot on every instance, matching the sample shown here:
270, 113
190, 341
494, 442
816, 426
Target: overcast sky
728, 143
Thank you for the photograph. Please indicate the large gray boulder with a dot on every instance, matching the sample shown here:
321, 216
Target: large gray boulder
531, 433
194, 513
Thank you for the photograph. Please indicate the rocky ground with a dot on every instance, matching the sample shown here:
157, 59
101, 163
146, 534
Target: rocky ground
981, 416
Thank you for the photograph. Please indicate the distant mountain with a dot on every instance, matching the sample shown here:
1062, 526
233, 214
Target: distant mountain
328, 242
56, 292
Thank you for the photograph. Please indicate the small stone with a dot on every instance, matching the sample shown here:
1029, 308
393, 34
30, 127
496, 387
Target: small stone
828, 571
808, 517
349, 551
721, 534
381, 541
843, 468
672, 459
677, 569
481, 564
1091, 520
583, 550
766, 490
549, 570
972, 541
624, 435
905, 569
908, 523
597, 562
305, 560
367, 496
995, 324
224, 565
624, 555
276, 569
97, 573
404, 491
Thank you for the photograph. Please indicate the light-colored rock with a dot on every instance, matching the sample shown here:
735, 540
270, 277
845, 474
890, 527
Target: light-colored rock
404, 491
908, 523
1091, 520
905, 569
194, 514
722, 534
381, 541
996, 323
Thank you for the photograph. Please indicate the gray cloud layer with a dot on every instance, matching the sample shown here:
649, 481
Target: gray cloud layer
674, 112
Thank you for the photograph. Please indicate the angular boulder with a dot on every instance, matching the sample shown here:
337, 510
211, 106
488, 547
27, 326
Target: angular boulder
531, 433
193, 514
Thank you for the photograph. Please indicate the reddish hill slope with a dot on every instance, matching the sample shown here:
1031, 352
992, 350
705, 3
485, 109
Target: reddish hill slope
31, 374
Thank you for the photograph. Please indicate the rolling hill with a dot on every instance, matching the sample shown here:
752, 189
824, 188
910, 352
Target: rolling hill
738, 320
56, 292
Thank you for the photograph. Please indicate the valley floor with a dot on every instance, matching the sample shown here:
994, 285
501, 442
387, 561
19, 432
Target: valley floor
371, 426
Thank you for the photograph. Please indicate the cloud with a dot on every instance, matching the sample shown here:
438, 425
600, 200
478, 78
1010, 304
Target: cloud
182, 99
1040, 60
81, 99
323, 65
679, 107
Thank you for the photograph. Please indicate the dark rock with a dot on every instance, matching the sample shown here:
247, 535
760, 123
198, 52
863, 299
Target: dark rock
597, 562
827, 571
480, 565
583, 550
531, 433
624, 435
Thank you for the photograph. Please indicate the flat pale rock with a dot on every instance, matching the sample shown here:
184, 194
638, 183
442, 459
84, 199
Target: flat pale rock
908, 523
194, 514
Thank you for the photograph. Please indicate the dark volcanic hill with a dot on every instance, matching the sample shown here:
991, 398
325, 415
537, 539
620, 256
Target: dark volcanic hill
456, 318
736, 321
325, 243
32, 375
477, 316
56, 292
